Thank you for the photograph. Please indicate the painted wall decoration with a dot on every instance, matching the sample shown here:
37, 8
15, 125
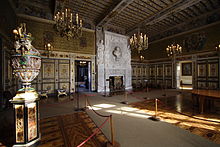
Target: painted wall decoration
168, 71
152, 71
201, 70
48, 37
48, 70
64, 71
49, 87
213, 85
83, 42
64, 86
213, 69
186, 69
160, 71
194, 41
202, 85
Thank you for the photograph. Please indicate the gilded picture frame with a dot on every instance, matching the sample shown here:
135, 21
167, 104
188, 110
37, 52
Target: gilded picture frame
186, 69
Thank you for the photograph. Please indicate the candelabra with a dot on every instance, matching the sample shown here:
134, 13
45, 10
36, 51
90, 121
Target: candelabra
173, 49
139, 42
68, 25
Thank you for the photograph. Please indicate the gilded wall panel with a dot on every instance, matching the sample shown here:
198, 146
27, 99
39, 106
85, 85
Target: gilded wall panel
64, 71
213, 85
201, 70
168, 71
64, 86
160, 71
202, 85
48, 70
152, 71
213, 69
49, 86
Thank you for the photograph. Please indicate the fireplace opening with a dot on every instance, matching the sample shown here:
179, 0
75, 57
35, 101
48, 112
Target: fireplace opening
116, 85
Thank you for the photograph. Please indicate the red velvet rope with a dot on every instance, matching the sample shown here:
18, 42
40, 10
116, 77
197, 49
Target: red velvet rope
96, 131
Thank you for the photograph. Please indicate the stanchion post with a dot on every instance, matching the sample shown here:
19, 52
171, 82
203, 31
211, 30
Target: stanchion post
156, 108
112, 130
86, 103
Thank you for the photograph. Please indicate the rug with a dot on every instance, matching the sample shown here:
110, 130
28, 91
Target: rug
69, 131
206, 125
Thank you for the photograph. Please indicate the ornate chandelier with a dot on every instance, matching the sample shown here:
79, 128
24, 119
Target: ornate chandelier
173, 49
68, 25
139, 42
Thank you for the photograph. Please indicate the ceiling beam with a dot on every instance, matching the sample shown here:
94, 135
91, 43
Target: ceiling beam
187, 21
175, 7
116, 10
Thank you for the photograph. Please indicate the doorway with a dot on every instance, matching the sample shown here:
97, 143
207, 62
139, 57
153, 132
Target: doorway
184, 75
83, 76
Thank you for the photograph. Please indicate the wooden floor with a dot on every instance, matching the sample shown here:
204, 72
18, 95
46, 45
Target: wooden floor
179, 111
69, 131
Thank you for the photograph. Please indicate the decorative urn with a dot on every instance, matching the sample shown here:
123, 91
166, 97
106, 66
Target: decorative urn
26, 64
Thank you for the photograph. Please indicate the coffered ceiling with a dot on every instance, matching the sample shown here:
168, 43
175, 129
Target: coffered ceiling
157, 18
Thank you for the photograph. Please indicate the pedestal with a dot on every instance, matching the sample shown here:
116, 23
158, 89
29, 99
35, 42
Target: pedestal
26, 113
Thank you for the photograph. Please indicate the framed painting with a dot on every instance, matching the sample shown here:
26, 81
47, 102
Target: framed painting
186, 69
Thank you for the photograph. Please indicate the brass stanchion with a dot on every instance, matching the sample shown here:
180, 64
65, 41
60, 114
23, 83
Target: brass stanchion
154, 118
112, 130
155, 108
126, 98
86, 103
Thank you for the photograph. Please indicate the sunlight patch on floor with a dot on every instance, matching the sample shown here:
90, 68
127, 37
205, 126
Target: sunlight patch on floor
94, 108
104, 105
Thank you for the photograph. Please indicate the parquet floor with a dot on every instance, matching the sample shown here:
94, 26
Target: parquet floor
69, 131
187, 119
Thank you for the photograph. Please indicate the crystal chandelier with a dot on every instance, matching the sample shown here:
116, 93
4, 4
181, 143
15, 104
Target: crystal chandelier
173, 49
68, 25
139, 42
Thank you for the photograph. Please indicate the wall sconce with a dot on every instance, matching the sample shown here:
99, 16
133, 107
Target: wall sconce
141, 58
217, 48
48, 47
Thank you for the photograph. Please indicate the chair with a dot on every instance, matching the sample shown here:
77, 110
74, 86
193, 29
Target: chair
61, 92
43, 93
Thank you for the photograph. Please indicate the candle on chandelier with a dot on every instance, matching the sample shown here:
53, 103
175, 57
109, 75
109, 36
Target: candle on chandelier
71, 17
77, 19
66, 13
63, 15
80, 22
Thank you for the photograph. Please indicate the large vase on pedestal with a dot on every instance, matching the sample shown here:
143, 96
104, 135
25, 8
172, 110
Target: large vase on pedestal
26, 64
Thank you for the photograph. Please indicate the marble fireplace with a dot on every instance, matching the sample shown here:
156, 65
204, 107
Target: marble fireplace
113, 62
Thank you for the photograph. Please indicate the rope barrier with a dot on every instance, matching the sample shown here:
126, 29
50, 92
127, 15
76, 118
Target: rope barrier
95, 132
99, 129
95, 111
